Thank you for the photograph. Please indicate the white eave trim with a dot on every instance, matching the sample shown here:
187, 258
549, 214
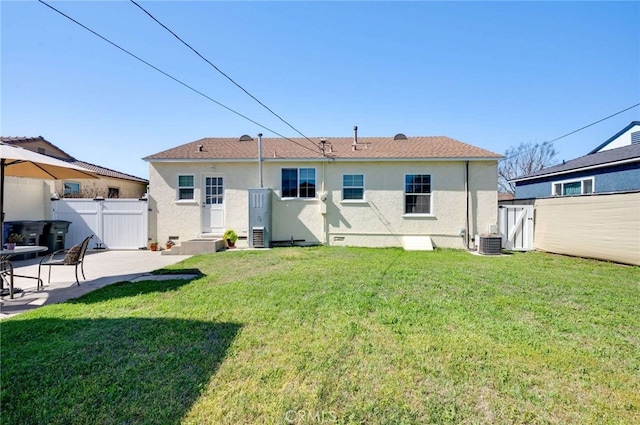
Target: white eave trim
574, 170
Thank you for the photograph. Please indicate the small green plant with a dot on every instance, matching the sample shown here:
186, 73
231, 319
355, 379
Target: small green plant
230, 236
15, 238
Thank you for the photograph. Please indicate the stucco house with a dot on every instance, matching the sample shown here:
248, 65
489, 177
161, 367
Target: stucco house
370, 191
613, 166
35, 194
110, 184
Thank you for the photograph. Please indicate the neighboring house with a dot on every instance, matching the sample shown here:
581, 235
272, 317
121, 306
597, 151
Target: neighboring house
589, 206
372, 191
625, 137
612, 167
34, 195
110, 184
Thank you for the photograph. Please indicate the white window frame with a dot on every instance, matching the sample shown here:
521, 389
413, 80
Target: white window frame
346, 201
404, 196
218, 197
315, 179
192, 187
581, 180
70, 194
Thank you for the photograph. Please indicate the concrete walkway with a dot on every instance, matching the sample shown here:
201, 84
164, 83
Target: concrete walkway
101, 268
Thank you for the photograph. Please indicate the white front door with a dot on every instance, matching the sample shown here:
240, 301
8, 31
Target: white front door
213, 205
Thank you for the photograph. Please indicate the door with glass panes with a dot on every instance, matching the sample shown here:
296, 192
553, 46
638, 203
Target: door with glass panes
213, 205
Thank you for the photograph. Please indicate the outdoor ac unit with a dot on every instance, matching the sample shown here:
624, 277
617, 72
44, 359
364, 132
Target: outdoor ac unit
260, 218
490, 244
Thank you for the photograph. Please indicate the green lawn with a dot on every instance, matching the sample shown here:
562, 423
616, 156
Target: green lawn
337, 335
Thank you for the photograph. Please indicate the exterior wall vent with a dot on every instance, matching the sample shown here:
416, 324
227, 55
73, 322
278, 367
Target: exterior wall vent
246, 138
490, 244
257, 237
635, 138
400, 136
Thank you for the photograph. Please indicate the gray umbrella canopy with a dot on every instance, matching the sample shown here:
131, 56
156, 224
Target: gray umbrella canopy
20, 162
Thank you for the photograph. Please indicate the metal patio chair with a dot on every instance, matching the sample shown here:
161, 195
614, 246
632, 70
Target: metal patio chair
6, 274
72, 257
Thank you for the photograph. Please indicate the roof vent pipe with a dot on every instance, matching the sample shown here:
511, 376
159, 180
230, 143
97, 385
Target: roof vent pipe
200, 148
355, 135
260, 159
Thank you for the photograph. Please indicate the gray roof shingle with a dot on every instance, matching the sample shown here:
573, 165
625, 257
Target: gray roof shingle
610, 156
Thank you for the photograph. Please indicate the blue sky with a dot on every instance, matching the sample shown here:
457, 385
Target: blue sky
492, 74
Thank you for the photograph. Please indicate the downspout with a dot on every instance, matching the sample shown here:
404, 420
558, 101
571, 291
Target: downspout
325, 224
260, 160
467, 194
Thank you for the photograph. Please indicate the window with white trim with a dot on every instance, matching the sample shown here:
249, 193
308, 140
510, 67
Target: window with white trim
417, 194
573, 187
186, 187
353, 187
298, 182
71, 189
214, 190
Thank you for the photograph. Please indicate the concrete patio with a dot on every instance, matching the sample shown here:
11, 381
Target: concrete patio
101, 268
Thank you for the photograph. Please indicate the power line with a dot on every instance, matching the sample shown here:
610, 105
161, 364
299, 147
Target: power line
174, 78
220, 71
574, 131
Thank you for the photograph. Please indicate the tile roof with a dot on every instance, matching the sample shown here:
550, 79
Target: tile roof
437, 147
101, 171
107, 172
17, 140
502, 196
610, 156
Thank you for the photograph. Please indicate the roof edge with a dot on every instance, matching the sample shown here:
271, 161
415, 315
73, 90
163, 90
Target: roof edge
575, 170
319, 159
612, 138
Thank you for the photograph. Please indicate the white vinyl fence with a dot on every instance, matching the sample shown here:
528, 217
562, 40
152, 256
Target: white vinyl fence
115, 223
516, 227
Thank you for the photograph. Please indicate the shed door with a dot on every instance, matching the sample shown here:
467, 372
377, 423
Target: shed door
213, 205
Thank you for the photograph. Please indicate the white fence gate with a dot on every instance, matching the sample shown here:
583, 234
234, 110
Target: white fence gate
115, 223
516, 227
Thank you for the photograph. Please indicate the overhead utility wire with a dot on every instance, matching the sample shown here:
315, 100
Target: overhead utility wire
221, 72
174, 78
575, 131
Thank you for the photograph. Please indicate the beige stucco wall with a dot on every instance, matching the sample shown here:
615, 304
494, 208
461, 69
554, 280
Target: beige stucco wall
183, 219
90, 188
606, 227
27, 199
378, 221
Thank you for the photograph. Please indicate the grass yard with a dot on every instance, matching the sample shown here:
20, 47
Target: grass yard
337, 335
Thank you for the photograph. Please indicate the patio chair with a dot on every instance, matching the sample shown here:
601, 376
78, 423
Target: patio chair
6, 274
72, 257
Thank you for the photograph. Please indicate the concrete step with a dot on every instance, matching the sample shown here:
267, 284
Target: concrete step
196, 246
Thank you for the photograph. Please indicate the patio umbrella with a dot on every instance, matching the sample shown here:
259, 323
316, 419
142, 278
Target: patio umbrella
20, 162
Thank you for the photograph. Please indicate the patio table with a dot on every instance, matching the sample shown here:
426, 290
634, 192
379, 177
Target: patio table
6, 270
